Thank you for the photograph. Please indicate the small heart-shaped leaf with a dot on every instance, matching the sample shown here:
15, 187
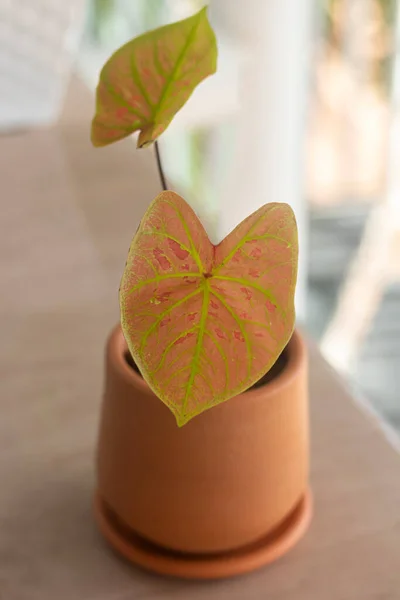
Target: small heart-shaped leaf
146, 81
206, 322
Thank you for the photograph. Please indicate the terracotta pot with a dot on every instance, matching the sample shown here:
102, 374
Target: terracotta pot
231, 485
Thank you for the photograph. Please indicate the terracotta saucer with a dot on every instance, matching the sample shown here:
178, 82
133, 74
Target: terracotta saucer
151, 557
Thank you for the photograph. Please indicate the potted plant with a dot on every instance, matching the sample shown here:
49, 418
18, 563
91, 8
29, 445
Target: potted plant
203, 445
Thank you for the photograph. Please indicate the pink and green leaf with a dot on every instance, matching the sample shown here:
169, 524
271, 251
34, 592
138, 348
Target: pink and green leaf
148, 80
205, 322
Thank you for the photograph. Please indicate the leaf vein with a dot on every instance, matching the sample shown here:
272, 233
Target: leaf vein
171, 78
164, 314
122, 102
136, 78
193, 250
199, 343
243, 241
237, 319
250, 284
141, 284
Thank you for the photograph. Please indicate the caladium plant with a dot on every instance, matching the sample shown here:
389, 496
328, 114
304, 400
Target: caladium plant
144, 83
203, 322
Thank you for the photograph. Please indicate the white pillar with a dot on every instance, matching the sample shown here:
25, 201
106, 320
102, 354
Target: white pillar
392, 195
267, 162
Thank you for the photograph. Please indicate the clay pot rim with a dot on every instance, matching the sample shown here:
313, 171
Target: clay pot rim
297, 355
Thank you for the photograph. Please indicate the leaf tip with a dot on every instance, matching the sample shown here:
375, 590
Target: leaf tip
143, 144
181, 420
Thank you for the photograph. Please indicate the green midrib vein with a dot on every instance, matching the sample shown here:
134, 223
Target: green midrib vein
171, 78
199, 344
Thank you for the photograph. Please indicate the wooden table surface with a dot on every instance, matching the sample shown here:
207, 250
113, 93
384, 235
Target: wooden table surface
68, 214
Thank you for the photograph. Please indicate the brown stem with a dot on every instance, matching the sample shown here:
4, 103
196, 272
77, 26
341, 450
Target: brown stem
159, 167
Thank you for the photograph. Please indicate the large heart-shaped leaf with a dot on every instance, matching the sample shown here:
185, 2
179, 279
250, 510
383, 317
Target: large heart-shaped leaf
205, 322
146, 82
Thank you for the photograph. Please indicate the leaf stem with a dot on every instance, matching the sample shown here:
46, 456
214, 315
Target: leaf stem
160, 168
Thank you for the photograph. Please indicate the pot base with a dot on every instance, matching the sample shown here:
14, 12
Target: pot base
216, 566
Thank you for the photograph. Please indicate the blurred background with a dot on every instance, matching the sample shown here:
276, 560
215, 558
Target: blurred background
304, 109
